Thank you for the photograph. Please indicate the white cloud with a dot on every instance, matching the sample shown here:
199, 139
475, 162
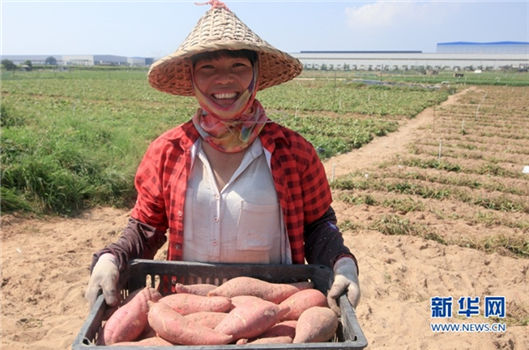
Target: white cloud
385, 14
409, 25
377, 15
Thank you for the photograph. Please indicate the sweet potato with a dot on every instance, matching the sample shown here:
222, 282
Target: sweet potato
208, 319
282, 332
251, 318
157, 341
316, 324
148, 332
242, 299
198, 288
130, 319
283, 328
272, 340
274, 292
185, 303
301, 301
175, 328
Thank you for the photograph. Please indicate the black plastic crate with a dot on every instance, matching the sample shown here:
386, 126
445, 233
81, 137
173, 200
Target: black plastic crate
141, 273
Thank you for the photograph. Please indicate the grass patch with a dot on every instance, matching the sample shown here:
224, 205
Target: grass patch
423, 191
500, 243
431, 164
335, 135
491, 219
350, 198
401, 205
397, 225
501, 203
348, 225
351, 183
517, 246
12, 201
9, 118
404, 205
404, 187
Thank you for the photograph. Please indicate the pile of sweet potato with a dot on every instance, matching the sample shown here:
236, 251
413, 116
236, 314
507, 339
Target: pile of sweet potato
240, 311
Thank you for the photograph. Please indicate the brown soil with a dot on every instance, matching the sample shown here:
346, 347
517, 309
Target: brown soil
45, 266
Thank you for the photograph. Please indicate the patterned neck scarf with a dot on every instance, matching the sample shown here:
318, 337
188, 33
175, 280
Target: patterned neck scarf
231, 136
233, 128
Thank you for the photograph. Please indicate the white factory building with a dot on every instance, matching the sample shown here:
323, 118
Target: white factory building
497, 47
454, 56
406, 60
102, 60
81, 60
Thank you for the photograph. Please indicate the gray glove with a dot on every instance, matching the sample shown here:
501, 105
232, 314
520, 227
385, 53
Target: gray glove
345, 281
105, 276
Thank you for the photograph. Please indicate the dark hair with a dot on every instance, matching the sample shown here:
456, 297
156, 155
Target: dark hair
249, 54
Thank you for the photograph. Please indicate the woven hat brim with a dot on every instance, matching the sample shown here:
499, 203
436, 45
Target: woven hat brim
172, 74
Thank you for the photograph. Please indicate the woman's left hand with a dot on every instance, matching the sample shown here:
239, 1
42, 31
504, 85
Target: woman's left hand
345, 281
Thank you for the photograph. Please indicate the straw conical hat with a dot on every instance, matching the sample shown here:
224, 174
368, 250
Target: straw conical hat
220, 29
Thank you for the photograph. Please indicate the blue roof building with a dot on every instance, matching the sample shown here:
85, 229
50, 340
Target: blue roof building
497, 47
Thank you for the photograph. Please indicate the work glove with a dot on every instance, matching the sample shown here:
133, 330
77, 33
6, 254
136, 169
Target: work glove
105, 276
345, 281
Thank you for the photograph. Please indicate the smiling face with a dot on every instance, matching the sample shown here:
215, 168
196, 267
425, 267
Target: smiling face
224, 78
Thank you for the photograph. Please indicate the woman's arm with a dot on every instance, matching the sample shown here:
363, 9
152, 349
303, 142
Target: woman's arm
138, 240
324, 243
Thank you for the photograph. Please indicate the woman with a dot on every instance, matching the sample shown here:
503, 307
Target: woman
229, 185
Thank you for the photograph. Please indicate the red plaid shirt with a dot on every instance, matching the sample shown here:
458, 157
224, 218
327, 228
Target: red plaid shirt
299, 177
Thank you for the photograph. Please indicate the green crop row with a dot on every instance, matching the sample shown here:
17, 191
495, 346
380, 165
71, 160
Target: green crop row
501, 202
346, 97
493, 77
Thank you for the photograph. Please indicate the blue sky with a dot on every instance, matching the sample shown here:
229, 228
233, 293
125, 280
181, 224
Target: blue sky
156, 28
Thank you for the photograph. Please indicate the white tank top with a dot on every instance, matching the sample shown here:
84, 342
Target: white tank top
243, 222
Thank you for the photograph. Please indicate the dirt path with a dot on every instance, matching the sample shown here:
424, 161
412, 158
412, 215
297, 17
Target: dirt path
384, 148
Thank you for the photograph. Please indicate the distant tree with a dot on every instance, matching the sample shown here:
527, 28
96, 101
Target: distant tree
51, 60
28, 65
9, 65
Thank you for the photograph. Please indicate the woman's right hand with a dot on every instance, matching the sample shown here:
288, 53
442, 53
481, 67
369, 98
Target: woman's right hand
105, 276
